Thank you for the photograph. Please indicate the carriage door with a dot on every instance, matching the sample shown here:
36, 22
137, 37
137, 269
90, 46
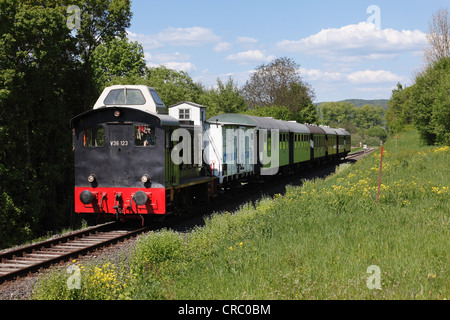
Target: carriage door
120, 141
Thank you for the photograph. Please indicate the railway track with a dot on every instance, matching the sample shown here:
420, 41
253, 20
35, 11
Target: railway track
359, 153
31, 258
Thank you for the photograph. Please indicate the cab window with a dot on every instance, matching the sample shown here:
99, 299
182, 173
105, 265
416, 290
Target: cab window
144, 136
125, 97
93, 136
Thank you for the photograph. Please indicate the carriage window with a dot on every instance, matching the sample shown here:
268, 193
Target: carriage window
125, 96
93, 136
144, 136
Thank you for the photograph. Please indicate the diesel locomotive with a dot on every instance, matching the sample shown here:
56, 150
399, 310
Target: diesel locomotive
134, 159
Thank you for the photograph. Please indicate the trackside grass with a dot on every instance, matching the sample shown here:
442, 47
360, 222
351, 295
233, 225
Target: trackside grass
315, 242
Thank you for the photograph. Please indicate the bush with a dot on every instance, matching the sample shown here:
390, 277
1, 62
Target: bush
103, 281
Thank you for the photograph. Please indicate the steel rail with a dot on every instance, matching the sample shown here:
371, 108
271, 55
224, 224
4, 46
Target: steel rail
358, 153
31, 258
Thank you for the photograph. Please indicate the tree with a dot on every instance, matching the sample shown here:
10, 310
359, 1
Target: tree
369, 116
276, 112
173, 86
279, 84
337, 112
101, 22
225, 98
117, 58
38, 77
399, 114
42, 76
429, 103
438, 37
377, 131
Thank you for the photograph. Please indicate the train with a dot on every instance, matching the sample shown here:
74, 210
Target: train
135, 158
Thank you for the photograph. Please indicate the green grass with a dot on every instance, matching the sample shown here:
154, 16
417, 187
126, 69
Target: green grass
314, 242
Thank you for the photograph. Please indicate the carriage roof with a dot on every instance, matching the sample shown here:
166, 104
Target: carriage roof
259, 122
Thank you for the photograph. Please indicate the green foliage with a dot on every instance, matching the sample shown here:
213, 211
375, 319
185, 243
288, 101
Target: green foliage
365, 123
375, 102
11, 222
279, 84
102, 281
379, 132
368, 116
42, 83
343, 112
101, 22
338, 112
117, 58
276, 112
173, 86
226, 98
399, 114
430, 103
425, 104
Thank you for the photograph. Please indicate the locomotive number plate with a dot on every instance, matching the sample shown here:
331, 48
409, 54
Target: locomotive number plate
116, 143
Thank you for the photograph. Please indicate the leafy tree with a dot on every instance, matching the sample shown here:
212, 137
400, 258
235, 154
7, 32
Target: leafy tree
101, 22
37, 72
116, 58
336, 112
276, 112
42, 64
430, 104
279, 84
399, 113
226, 98
173, 86
368, 116
377, 131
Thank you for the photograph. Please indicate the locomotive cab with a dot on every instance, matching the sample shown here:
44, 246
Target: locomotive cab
120, 161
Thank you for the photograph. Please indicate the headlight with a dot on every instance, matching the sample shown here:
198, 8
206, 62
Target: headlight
117, 113
92, 178
145, 178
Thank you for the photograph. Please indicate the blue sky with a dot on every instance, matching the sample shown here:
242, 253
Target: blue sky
344, 51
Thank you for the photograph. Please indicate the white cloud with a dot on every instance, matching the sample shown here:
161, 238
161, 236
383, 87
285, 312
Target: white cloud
178, 66
316, 74
181, 66
371, 76
192, 36
222, 46
357, 77
362, 39
210, 80
250, 56
166, 57
148, 42
176, 61
246, 40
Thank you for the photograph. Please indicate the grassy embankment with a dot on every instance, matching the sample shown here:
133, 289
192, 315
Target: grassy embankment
315, 242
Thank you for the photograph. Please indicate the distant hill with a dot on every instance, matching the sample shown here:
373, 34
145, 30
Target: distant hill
361, 102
